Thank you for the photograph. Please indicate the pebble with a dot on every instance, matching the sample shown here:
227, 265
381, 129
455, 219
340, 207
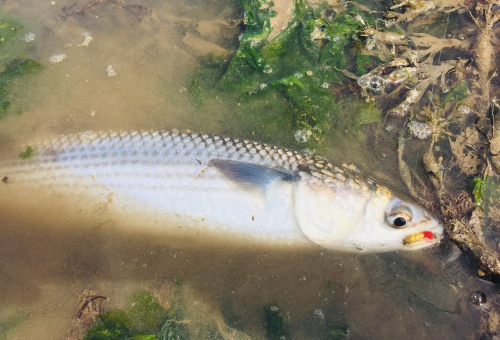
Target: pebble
309, 73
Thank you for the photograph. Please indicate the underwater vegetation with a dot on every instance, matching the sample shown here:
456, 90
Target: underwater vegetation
146, 319
297, 71
14, 60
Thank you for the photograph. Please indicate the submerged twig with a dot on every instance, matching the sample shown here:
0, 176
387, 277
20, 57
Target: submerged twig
88, 305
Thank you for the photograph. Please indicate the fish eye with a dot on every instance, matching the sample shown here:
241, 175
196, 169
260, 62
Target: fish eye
399, 221
399, 217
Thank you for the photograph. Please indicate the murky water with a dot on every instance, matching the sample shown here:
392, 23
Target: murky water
50, 252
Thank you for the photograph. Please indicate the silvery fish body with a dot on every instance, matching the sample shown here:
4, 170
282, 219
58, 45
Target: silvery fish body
224, 186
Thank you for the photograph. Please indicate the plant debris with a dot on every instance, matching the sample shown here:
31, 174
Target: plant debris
89, 306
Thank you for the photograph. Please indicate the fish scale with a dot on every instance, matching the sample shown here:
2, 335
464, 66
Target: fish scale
99, 149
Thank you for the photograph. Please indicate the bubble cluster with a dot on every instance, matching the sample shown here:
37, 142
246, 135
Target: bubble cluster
29, 37
111, 71
373, 82
57, 58
464, 109
420, 130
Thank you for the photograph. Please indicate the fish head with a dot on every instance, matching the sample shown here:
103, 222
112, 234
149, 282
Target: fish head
358, 217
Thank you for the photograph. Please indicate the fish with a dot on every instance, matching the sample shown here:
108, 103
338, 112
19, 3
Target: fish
216, 185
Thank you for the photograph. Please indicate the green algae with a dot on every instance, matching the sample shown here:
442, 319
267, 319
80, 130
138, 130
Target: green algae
26, 154
14, 62
457, 94
141, 319
276, 326
7, 327
339, 333
145, 312
291, 82
477, 191
112, 325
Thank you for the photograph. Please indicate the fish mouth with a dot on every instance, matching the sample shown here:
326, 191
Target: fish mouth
422, 239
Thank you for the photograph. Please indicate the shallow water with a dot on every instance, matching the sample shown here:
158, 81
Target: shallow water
50, 252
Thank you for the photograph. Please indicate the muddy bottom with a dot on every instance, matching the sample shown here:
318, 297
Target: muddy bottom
418, 295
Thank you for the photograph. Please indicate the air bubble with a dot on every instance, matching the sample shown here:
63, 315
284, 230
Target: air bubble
363, 81
301, 136
478, 298
376, 83
307, 152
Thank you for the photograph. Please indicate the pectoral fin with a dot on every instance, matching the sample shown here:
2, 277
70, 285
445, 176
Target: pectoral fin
249, 176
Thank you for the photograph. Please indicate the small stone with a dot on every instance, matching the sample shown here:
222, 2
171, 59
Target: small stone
92, 113
309, 73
